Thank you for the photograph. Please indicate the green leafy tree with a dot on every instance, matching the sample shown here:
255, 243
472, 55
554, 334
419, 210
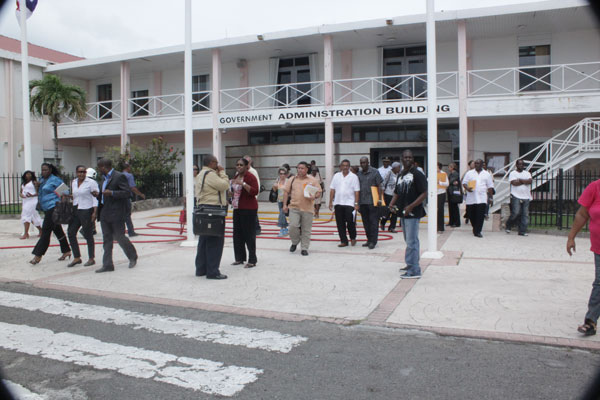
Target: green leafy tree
51, 97
154, 164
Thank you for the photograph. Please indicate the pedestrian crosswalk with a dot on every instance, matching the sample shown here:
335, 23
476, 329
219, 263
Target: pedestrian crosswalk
212, 377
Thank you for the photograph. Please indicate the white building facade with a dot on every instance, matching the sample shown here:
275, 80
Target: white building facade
508, 79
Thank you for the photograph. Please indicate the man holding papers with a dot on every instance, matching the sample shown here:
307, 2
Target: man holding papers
479, 186
301, 190
370, 201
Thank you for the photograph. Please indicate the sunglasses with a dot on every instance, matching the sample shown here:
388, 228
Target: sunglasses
81, 172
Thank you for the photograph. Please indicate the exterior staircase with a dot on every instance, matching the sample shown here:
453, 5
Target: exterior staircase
563, 151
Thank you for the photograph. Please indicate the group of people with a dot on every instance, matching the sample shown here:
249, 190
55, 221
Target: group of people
111, 205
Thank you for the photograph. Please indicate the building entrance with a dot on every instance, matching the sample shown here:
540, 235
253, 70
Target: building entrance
395, 154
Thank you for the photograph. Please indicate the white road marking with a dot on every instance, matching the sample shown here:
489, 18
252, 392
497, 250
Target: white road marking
193, 373
191, 329
20, 392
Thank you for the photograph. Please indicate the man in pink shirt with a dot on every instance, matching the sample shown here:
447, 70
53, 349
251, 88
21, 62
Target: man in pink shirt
589, 211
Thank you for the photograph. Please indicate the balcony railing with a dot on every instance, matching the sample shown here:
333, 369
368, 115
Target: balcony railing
99, 111
273, 96
392, 88
559, 78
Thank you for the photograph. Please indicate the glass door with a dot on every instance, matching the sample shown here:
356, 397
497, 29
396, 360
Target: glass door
294, 72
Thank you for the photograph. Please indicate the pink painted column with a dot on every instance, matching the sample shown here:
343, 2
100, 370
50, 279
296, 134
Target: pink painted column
244, 80
124, 105
328, 75
463, 126
8, 98
215, 103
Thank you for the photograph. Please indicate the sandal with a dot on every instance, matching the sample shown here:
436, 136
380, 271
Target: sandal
249, 265
588, 328
65, 256
35, 260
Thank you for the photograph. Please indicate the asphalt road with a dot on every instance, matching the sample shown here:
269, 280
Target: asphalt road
328, 362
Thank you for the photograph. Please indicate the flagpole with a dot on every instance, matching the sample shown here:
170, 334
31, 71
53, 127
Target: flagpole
25, 87
189, 133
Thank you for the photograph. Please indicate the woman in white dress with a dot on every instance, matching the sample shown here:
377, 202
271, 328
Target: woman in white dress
29, 214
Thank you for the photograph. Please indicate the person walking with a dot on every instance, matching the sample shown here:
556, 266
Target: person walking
244, 188
48, 199
255, 173
211, 193
344, 193
409, 196
520, 196
134, 190
84, 192
29, 213
455, 196
442, 185
114, 197
302, 190
369, 177
314, 171
389, 188
386, 168
279, 186
479, 186
589, 211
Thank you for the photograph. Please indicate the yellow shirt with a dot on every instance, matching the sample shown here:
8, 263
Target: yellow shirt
298, 201
215, 183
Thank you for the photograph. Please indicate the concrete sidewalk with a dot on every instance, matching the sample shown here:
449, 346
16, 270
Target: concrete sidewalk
503, 286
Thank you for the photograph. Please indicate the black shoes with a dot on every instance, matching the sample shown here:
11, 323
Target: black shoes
366, 244
74, 263
132, 263
133, 234
105, 269
220, 276
293, 248
371, 246
479, 235
304, 252
200, 273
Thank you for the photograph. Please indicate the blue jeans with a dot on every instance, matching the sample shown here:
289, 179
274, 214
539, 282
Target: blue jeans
410, 229
282, 220
518, 208
594, 303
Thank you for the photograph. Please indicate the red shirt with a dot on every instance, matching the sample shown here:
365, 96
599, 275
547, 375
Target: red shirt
590, 199
248, 200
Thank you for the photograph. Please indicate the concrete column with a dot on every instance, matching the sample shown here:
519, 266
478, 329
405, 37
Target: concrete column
124, 105
10, 114
328, 74
215, 103
463, 127
157, 92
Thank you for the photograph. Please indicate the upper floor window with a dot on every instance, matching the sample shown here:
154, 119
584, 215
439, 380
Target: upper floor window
292, 74
200, 93
104, 98
532, 77
140, 103
406, 68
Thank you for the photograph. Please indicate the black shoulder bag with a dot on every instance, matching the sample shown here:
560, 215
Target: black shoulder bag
209, 220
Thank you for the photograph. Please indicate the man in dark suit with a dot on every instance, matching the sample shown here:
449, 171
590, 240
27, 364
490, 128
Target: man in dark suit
114, 196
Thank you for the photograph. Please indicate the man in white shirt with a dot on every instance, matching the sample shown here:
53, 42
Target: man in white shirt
344, 193
480, 187
255, 173
520, 196
386, 168
389, 188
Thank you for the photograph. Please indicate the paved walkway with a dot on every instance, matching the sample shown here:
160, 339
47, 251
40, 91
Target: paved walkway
503, 286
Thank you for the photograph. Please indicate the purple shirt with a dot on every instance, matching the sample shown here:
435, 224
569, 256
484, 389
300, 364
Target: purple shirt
130, 179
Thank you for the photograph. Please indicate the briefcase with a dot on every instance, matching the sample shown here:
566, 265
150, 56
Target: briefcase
209, 221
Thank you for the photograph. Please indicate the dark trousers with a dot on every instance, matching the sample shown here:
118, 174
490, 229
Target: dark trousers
454, 214
345, 220
208, 255
115, 231
258, 228
441, 200
128, 220
82, 219
370, 217
244, 235
389, 215
476, 214
44, 241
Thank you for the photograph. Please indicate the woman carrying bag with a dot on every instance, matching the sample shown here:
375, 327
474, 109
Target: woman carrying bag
244, 187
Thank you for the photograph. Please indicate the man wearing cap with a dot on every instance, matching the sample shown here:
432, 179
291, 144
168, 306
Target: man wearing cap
385, 169
389, 188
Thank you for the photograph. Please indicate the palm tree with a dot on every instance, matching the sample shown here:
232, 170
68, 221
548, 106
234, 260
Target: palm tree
51, 97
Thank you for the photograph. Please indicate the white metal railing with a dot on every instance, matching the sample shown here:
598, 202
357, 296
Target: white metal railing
392, 88
99, 111
558, 78
546, 159
167, 105
273, 96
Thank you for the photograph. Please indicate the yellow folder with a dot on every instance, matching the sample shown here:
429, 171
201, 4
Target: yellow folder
375, 195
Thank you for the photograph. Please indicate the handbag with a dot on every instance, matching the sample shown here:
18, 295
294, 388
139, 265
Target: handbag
63, 212
455, 195
209, 220
289, 199
273, 196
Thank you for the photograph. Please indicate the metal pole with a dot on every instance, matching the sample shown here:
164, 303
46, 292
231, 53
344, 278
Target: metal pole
25, 88
189, 134
432, 147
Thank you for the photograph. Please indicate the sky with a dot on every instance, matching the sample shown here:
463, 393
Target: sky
96, 28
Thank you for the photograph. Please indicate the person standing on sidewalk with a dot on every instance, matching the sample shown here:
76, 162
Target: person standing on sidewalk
389, 188
520, 196
344, 193
410, 194
255, 173
455, 196
279, 186
369, 177
134, 190
301, 207
29, 213
479, 186
212, 192
385, 169
442, 185
589, 210
244, 187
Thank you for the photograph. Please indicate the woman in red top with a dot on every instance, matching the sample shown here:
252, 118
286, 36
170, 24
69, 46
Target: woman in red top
589, 211
244, 187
